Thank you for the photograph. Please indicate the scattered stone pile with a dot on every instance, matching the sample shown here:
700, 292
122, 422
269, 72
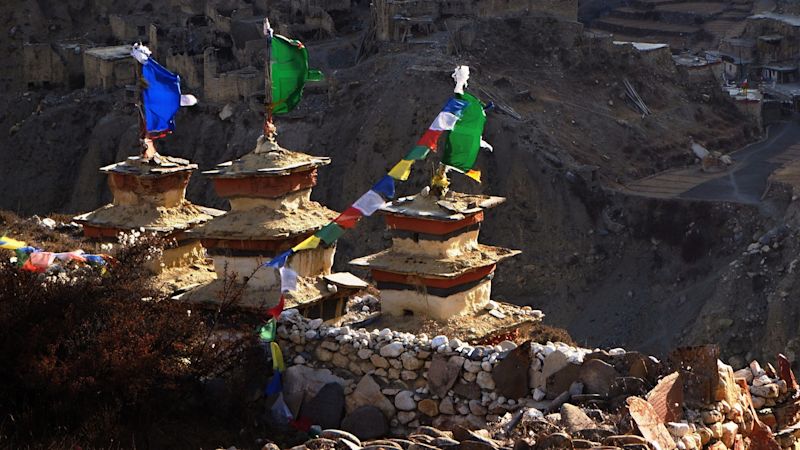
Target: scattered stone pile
379, 383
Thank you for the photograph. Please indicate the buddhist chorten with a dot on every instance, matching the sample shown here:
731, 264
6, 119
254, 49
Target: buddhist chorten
269, 192
436, 267
150, 195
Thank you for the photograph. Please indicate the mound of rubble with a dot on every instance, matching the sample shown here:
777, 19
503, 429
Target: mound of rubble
355, 388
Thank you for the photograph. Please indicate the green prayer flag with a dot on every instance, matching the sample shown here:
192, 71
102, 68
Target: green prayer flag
267, 332
330, 233
417, 153
464, 141
289, 73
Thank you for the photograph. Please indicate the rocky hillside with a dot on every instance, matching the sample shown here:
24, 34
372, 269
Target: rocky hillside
613, 270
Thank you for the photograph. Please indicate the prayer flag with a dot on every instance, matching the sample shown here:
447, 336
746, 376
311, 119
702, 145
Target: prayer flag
10, 244
77, 255
267, 331
280, 260
275, 385
277, 357
31, 268
385, 187
276, 310
464, 141
310, 243
348, 218
401, 170
161, 98
95, 260
330, 233
417, 153
429, 139
289, 73
288, 279
369, 203
42, 260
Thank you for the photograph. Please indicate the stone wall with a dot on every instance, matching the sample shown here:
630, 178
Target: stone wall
231, 86
53, 64
374, 383
108, 73
416, 379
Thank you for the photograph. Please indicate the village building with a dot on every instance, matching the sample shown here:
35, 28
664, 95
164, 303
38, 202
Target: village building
150, 196
269, 191
109, 67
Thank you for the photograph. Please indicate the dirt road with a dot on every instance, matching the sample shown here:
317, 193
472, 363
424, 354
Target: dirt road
747, 181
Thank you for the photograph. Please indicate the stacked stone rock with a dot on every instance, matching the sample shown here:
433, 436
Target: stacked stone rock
774, 394
766, 391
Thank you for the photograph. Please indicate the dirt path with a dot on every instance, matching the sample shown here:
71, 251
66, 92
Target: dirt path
745, 182
748, 180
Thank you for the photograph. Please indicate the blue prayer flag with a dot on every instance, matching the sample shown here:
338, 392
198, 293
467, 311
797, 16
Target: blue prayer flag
385, 187
280, 260
275, 385
162, 98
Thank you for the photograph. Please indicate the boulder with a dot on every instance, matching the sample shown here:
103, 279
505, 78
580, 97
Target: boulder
428, 407
302, 382
511, 374
555, 440
470, 391
392, 350
574, 419
367, 392
404, 401
326, 409
485, 381
562, 380
597, 377
442, 375
446, 406
366, 422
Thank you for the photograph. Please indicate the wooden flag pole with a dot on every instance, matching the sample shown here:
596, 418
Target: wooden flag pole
269, 128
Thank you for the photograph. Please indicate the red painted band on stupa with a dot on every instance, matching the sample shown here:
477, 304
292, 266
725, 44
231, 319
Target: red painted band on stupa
149, 184
265, 186
270, 247
430, 226
392, 277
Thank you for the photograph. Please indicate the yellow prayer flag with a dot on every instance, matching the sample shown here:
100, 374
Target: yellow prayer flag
277, 357
11, 244
308, 244
475, 175
401, 170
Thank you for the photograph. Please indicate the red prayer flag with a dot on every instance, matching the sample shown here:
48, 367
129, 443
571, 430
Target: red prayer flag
31, 268
429, 139
349, 218
275, 311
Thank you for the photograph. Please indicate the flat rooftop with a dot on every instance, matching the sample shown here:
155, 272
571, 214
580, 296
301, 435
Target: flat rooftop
789, 19
112, 53
445, 268
453, 207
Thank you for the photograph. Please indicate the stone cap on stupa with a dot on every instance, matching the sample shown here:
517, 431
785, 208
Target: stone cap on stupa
157, 166
148, 217
268, 159
476, 257
267, 223
454, 206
